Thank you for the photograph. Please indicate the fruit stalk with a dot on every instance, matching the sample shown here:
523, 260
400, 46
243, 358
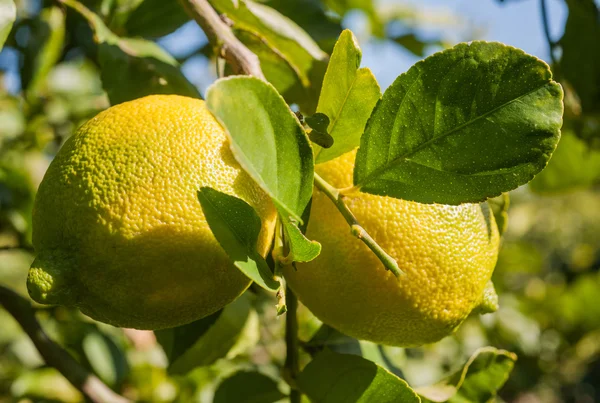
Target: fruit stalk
357, 230
220, 35
292, 366
54, 355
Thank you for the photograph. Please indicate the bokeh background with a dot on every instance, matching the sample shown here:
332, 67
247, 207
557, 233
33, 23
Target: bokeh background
548, 273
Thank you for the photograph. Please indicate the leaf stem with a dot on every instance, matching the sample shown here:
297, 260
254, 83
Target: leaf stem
221, 37
357, 230
292, 364
54, 355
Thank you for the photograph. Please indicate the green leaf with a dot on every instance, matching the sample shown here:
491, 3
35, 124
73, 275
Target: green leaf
348, 97
155, 18
285, 38
219, 340
414, 44
248, 387
105, 358
499, 206
131, 67
478, 381
48, 34
573, 166
266, 139
313, 17
177, 340
580, 61
301, 248
334, 378
8, 14
461, 126
236, 226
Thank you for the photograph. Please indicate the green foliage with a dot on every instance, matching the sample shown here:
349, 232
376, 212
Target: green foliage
348, 96
236, 226
248, 387
332, 377
477, 120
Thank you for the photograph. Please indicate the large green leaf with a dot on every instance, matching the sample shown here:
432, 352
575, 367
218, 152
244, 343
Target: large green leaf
348, 97
266, 139
248, 387
8, 14
460, 126
286, 39
131, 67
573, 166
580, 61
334, 378
478, 381
236, 226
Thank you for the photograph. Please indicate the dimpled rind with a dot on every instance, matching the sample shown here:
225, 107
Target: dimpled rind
447, 252
117, 225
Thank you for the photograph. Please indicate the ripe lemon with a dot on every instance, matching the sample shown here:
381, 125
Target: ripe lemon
447, 252
117, 226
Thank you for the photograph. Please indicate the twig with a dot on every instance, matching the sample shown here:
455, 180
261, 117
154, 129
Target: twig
292, 365
54, 355
357, 230
546, 24
221, 37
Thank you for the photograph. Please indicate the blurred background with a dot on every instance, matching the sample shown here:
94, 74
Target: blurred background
548, 273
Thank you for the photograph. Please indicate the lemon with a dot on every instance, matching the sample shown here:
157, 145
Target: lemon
117, 226
447, 252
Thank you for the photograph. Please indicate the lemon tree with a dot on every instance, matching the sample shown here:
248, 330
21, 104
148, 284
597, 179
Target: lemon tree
303, 182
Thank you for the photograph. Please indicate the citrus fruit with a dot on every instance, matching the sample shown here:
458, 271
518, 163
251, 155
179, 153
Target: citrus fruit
117, 227
447, 253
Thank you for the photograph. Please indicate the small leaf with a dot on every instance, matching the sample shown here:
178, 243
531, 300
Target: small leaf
301, 248
335, 378
499, 206
131, 67
236, 226
461, 126
266, 139
218, 341
177, 340
478, 381
573, 166
8, 14
248, 387
348, 97
318, 121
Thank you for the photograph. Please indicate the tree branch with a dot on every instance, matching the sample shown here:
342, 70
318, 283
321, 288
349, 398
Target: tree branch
546, 24
54, 355
221, 37
357, 230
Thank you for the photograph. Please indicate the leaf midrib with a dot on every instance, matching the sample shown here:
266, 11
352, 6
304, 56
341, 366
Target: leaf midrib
398, 160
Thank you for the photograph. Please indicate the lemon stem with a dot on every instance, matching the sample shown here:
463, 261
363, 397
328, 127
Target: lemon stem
357, 230
292, 365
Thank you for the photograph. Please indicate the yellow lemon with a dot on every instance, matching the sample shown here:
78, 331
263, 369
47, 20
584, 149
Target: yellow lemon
117, 226
447, 253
